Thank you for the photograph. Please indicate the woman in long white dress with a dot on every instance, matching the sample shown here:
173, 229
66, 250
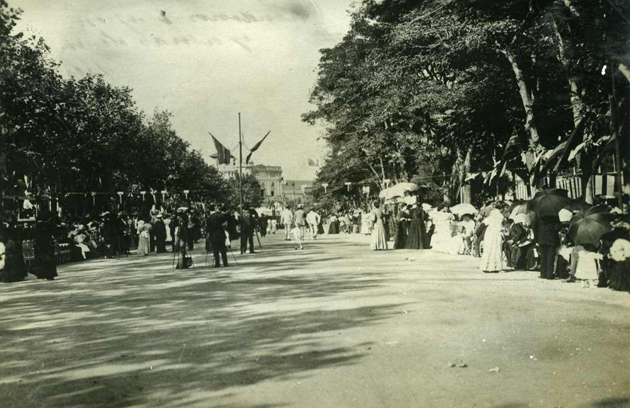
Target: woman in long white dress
378, 241
144, 239
492, 257
442, 239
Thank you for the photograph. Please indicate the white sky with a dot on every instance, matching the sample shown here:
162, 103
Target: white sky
205, 61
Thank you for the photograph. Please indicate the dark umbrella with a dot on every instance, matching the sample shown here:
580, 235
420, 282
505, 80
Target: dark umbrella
578, 205
598, 209
549, 202
589, 229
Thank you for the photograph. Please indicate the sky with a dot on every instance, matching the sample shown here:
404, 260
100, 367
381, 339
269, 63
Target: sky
205, 61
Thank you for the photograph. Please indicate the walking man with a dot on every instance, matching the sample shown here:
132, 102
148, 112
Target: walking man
287, 220
299, 218
215, 233
248, 226
313, 220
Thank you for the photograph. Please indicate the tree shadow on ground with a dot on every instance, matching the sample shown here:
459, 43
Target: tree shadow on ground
132, 331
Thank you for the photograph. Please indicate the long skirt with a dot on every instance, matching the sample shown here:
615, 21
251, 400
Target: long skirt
492, 258
620, 276
416, 237
45, 265
378, 241
400, 240
144, 245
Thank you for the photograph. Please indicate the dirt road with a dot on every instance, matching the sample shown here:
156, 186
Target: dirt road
334, 325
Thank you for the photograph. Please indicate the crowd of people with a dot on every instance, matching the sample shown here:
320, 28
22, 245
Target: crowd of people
38, 245
505, 236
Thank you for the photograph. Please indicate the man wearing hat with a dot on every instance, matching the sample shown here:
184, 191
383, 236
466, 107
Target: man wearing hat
248, 227
160, 233
286, 219
216, 236
300, 220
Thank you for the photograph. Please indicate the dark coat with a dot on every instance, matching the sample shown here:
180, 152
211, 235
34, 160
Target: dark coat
518, 234
214, 227
547, 231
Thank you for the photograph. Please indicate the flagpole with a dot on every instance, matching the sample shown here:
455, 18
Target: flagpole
240, 164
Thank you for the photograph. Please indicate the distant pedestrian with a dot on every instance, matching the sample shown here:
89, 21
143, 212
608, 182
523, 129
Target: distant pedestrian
378, 241
287, 220
45, 262
492, 257
215, 232
313, 219
299, 218
248, 227
144, 238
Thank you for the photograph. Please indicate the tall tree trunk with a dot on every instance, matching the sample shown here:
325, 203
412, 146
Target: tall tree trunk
528, 99
465, 188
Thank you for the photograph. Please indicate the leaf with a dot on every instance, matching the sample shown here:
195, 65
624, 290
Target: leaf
575, 151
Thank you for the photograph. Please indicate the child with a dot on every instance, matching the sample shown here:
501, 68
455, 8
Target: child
297, 234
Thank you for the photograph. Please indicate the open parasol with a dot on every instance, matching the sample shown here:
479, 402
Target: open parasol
464, 208
518, 209
399, 189
515, 204
549, 202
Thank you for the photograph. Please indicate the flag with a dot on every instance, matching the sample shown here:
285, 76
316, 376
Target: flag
312, 163
223, 153
256, 146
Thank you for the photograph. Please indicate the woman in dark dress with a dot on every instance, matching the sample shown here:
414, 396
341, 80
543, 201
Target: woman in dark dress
14, 269
417, 229
403, 228
333, 227
386, 217
183, 239
45, 262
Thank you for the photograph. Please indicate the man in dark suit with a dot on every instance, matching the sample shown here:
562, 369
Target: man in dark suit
216, 236
547, 236
249, 221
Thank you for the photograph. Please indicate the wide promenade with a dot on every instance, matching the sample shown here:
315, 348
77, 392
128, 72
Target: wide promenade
335, 325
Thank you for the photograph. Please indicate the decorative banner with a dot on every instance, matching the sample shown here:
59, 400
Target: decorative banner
120, 195
93, 198
143, 193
